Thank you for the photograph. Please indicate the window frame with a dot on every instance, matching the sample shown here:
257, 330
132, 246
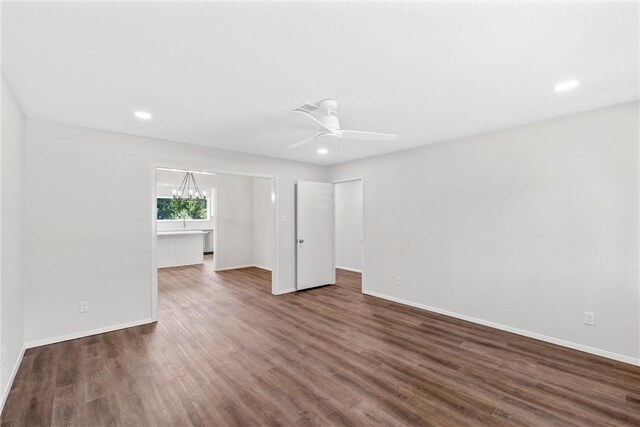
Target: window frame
183, 220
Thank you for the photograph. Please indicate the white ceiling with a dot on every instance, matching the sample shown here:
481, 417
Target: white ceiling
225, 74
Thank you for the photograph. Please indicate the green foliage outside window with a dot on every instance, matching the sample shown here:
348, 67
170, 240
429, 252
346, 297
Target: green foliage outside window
182, 209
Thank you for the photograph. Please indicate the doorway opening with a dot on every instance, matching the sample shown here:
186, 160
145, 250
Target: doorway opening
218, 222
349, 225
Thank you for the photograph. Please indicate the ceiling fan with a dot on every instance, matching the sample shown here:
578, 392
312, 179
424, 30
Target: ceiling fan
330, 126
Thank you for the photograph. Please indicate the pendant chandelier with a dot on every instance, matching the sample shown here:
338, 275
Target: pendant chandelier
189, 189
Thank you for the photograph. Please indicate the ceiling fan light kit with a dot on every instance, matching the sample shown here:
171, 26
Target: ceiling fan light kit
330, 125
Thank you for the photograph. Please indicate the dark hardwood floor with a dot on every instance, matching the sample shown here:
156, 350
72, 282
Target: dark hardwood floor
227, 352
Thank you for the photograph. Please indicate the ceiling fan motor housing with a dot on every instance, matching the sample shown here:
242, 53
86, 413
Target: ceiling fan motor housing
328, 105
330, 121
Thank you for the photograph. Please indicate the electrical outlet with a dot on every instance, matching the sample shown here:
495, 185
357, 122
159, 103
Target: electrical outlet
398, 280
589, 318
84, 306
4, 356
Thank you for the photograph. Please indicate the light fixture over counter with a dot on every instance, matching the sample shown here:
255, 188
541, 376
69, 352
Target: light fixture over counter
189, 189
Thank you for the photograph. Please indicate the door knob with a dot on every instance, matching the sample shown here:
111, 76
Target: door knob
301, 241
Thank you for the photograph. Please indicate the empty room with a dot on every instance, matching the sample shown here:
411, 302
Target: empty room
320, 213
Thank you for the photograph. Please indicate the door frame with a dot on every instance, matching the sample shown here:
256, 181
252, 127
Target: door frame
342, 181
275, 276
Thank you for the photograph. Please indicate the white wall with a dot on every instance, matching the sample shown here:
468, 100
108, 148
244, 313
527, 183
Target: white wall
93, 242
348, 205
234, 232
263, 231
12, 151
527, 227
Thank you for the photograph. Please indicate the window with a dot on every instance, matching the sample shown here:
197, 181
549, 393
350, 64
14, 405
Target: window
173, 209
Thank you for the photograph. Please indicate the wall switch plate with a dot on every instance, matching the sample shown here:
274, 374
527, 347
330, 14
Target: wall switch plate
589, 318
84, 306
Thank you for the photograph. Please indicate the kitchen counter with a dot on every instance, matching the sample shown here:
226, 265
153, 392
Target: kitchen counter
175, 232
180, 247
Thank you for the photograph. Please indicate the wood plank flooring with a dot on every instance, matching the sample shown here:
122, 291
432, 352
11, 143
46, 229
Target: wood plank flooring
227, 352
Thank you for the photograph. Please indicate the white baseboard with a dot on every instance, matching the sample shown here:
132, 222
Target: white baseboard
181, 265
234, 267
355, 270
285, 291
552, 340
16, 366
67, 337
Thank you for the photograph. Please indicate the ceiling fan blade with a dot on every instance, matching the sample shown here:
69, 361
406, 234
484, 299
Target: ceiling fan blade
370, 136
304, 141
315, 120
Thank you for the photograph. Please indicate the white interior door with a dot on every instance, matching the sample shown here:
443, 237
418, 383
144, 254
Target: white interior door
314, 234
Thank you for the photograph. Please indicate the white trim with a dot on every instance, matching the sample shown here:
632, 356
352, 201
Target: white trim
363, 278
245, 266
216, 258
286, 291
233, 267
275, 272
341, 181
16, 366
181, 265
75, 335
355, 270
154, 242
534, 335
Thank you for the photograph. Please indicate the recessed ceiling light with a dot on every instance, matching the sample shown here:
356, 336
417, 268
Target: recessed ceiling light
322, 151
568, 85
142, 115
